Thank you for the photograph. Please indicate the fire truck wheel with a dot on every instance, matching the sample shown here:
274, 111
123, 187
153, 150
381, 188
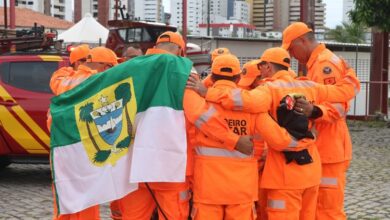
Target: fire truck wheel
4, 162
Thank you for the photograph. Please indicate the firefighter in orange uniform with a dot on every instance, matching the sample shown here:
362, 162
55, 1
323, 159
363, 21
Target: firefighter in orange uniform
250, 79
78, 56
98, 59
291, 177
333, 140
225, 180
172, 199
131, 52
250, 75
206, 75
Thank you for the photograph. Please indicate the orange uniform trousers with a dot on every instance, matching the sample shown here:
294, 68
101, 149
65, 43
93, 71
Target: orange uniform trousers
261, 204
331, 193
201, 211
115, 210
139, 205
294, 204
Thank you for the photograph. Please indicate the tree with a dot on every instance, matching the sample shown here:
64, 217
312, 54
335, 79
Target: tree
85, 116
347, 33
372, 13
123, 92
375, 14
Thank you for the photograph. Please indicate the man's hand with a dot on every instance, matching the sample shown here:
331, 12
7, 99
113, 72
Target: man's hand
196, 84
245, 145
302, 106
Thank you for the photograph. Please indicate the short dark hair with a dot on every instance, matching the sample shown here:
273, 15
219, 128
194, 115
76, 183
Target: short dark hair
276, 66
279, 67
216, 77
310, 36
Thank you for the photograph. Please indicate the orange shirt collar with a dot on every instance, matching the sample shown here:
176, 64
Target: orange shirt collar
224, 84
86, 69
314, 55
157, 51
282, 74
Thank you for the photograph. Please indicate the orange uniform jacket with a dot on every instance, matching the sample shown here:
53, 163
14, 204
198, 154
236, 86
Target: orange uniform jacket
65, 79
333, 141
226, 176
197, 113
277, 174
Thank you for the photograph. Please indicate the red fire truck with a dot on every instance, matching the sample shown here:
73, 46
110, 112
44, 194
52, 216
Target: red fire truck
27, 61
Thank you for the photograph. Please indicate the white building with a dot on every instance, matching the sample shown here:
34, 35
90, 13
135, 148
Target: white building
57, 8
61, 9
149, 10
241, 11
196, 14
348, 5
229, 29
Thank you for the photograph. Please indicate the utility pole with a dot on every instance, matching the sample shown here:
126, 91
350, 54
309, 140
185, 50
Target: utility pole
184, 3
208, 17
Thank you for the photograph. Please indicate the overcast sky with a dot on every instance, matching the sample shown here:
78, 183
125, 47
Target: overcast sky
334, 10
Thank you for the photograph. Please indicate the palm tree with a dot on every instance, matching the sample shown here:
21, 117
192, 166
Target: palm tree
86, 117
347, 33
123, 92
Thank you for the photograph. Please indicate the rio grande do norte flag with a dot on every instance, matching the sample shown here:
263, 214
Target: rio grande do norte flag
117, 128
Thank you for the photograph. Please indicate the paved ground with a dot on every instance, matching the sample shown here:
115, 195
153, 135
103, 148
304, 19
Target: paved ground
25, 189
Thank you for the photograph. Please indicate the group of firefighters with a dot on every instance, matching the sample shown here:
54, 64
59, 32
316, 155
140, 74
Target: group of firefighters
262, 143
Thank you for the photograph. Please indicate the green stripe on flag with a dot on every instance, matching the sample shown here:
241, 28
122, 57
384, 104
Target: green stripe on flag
158, 80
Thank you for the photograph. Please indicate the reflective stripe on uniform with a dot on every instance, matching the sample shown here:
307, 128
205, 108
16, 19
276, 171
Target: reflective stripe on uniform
340, 109
355, 89
293, 142
238, 103
276, 204
72, 82
330, 181
203, 118
219, 152
294, 84
184, 195
335, 59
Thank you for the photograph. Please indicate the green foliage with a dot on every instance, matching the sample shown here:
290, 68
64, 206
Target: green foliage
347, 33
102, 156
123, 92
372, 13
85, 112
125, 143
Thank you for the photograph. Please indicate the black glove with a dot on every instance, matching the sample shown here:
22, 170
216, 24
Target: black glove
296, 124
301, 157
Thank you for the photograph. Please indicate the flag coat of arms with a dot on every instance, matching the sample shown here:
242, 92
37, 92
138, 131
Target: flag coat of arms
119, 127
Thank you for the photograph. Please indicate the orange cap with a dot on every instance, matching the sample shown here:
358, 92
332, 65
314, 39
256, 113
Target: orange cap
78, 53
219, 51
276, 55
171, 37
102, 55
226, 65
249, 72
292, 32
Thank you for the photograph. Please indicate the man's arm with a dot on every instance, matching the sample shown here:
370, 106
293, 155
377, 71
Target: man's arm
343, 91
207, 120
58, 77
